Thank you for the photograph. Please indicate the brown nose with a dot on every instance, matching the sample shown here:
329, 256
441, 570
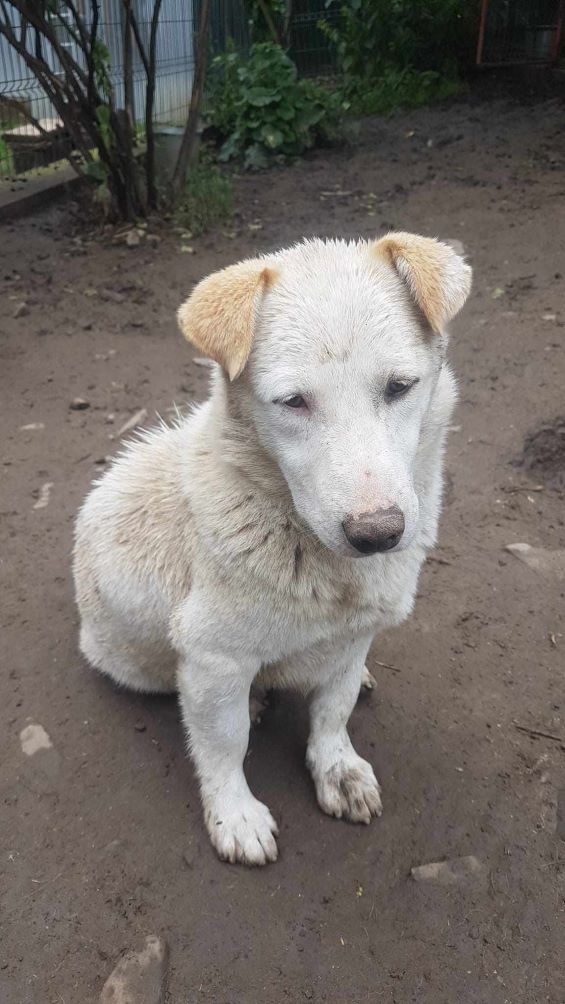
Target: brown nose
375, 531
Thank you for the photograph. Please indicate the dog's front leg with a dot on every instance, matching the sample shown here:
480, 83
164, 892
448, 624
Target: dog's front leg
214, 694
345, 783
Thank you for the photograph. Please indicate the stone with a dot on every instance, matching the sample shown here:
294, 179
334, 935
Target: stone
79, 404
447, 872
139, 977
551, 564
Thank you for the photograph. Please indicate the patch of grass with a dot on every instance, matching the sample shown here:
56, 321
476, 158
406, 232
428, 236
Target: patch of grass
207, 198
6, 166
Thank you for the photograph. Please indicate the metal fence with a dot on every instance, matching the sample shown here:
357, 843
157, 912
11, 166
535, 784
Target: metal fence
514, 32
23, 147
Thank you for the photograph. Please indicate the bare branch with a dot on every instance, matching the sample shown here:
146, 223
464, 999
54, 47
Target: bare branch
262, 4
138, 38
72, 69
152, 194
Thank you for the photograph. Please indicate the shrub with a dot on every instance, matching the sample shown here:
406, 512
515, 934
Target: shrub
262, 111
394, 52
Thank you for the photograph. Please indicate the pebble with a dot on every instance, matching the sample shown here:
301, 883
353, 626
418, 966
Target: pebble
551, 564
21, 310
139, 977
44, 495
79, 404
34, 738
447, 872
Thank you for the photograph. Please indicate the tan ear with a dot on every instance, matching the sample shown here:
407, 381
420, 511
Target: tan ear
438, 278
218, 317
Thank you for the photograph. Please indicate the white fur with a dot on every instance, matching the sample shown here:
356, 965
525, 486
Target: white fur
212, 553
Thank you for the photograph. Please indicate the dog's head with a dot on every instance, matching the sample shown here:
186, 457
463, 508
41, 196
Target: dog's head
339, 349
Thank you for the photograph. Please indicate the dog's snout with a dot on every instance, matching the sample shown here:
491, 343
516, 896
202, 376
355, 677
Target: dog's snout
375, 531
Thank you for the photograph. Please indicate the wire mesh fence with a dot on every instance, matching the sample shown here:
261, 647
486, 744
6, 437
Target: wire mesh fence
24, 146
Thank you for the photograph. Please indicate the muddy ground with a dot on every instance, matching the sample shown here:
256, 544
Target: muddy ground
102, 840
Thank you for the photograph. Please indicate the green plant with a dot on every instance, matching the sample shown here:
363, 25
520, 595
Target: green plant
206, 199
395, 52
401, 88
263, 111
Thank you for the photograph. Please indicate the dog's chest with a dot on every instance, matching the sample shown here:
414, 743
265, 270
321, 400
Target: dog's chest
292, 595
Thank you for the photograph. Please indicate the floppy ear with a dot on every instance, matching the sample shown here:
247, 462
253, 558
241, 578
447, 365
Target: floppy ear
438, 278
218, 317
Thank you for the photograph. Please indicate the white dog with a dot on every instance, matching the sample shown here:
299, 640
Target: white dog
270, 534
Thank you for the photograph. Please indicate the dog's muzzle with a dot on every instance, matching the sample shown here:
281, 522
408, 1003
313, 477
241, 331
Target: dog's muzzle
373, 532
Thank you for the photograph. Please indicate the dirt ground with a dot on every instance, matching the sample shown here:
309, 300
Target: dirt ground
102, 840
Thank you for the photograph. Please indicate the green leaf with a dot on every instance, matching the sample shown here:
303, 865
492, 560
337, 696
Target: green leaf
272, 138
255, 158
260, 96
103, 116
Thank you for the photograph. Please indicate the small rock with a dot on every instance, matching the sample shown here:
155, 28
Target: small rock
551, 564
111, 295
139, 977
44, 495
186, 249
140, 727
79, 404
21, 310
447, 872
34, 738
32, 427
133, 238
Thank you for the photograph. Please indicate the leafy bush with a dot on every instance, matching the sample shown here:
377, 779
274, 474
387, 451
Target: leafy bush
263, 111
207, 197
398, 88
394, 52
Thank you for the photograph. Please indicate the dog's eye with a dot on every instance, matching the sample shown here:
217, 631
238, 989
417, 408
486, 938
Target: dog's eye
294, 401
398, 388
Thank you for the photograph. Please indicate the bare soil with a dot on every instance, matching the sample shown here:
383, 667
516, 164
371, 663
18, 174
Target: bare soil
102, 840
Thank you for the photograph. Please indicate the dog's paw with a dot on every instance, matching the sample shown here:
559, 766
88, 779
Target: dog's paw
349, 789
243, 833
368, 681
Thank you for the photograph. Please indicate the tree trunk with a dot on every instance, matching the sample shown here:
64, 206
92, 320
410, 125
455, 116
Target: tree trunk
188, 144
